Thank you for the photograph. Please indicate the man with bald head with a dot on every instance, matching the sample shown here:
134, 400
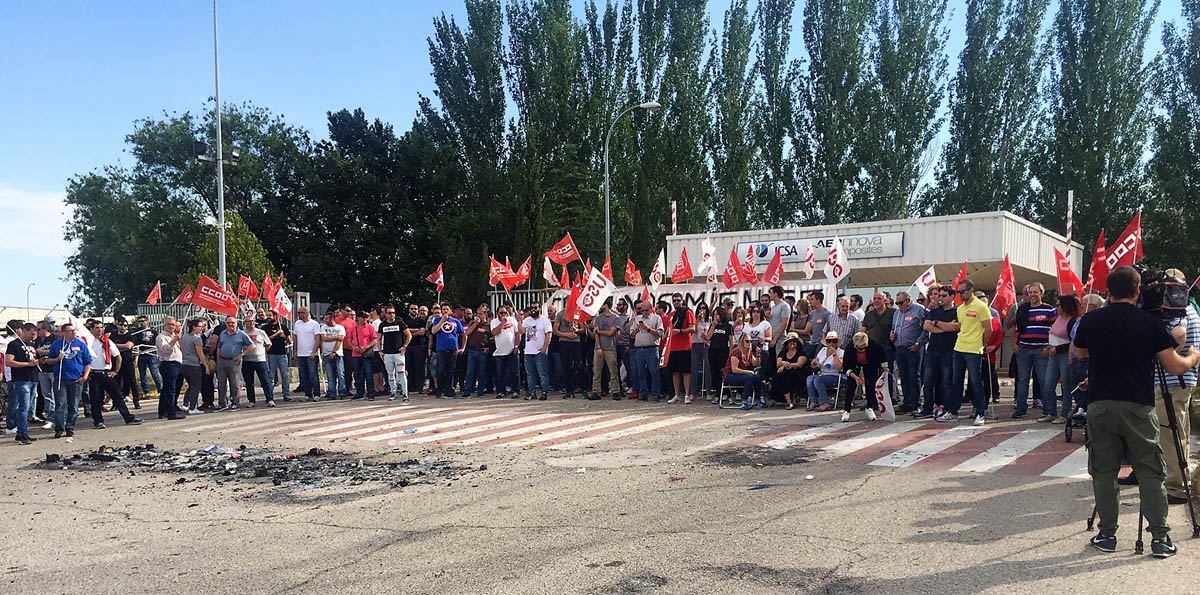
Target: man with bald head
646, 329
906, 335
170, 366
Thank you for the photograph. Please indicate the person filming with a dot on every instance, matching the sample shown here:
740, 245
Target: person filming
1121, 343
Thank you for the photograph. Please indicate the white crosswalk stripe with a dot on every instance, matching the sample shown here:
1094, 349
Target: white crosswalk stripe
625, 433
1074, 465
484, 428
526, 430
264, 426
911, 455
436, 427
576, 430
414, 423
213, 421
406, 417
803, 436
1007, 451
845, 447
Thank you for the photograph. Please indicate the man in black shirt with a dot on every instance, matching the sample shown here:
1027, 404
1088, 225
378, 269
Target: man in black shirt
145, 344
1122, 344
125, 376
277, 354
414, 359
394, 337
20, 358
939, 352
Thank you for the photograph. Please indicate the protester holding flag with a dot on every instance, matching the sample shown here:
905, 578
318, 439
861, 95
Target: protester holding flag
863, 364
106, 365
679, 346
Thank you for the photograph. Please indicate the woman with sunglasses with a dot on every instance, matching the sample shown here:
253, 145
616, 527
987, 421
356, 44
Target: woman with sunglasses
739, 371
759, 328
739, 324
829, 361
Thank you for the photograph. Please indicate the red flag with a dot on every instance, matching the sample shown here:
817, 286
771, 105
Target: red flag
607, 268
211, 296
155, 294
959, 278
571, 310
683, 268
733, 270
1128, 247
565, 280
1006, 289
1068, 281
437, 278
632, 276
525, 270
645, 293
750, 267
774, 269
185, 296
268, 286
253, 293
1098, 272
564, 251
578, 281
495, 270
244, 284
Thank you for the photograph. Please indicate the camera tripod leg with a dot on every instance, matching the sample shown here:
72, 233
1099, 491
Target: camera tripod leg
1173, 423
1091, 522
1139, 547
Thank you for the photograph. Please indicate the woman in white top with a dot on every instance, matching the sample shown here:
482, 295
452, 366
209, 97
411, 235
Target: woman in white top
739, 324
828, 360
758, 328
1057, 361
700, 370
255, 363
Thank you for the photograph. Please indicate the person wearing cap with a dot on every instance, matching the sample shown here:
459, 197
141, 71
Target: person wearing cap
828, 360
791, 369
863, 364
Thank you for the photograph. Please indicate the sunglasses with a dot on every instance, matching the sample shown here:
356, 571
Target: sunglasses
962, 291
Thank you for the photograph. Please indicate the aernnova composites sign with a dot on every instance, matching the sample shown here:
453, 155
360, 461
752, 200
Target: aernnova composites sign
886, 244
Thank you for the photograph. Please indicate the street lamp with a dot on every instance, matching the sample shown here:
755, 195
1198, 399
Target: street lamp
220, 159
650, 106
27, 310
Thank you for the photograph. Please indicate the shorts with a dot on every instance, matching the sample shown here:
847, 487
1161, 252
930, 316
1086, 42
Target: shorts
680, 362
377, 364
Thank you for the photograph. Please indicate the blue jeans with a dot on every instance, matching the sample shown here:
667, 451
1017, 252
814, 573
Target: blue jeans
908, 364
819, 385
147, 361
167, 396
555, 362
537, 369
1078, 371
970, 364
446, 360
1056, 368
20, 395
701, 374
364, 369
506, 374
477, 372
280, 372
751, 385
938, 371
249, 370
46, 384
334, 377
66, 405
310, 376
1030, 363
646, 380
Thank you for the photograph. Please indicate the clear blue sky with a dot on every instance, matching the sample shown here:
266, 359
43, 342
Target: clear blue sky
78, 73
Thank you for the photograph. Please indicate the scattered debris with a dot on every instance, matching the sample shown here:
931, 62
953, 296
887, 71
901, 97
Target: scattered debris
581, 470
675, 479
808, 477
760, 486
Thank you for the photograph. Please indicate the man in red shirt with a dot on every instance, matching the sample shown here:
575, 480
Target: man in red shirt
345, 317
361, 337
679, 348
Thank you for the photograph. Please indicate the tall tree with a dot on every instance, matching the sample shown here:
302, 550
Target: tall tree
994, 110
1096, 131
905, 88
685, 178
1174, 212
244, 255
779, 127
835, 36
730, 146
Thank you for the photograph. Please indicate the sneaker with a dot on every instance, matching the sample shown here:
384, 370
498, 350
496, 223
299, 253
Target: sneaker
946, 416
270, 403
26, 440
870, 414
1079, 416
48, 425
979, 420
761, 405
233, 408
845, 416
922, 415
405, 400
194, 412
135, 421
543, 397
594, 397
1045, 418
251, 405
70, 433
672, 400
99, 426
1059, 420
1162, 548
58, 434
1037, 404
1018, 414
1106, 543
392, 398
1174, 500
617, 397
687, 400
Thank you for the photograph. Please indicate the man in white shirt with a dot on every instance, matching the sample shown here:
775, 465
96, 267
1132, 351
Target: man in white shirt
332, 335
646, 328
106, 363
170, 365
308, 358
504, 333
536, 329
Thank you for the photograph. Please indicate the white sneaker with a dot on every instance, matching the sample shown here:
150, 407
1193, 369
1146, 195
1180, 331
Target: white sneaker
673, 400
194, 412
846, 415
946, 416
870, 414
979, 419
687, 400
270, 403
48, 425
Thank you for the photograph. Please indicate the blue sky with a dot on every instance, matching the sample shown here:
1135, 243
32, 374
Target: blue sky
78, 73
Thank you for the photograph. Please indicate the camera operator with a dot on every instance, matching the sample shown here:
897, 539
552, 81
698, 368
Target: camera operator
1122, 342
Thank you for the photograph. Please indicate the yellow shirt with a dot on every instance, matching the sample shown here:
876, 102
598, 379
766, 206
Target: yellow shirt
971, 318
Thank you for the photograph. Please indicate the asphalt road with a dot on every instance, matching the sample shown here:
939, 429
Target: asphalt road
720, 502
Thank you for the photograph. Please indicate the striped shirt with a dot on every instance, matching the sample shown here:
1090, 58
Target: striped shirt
1037, 330
844, 327
1191, 323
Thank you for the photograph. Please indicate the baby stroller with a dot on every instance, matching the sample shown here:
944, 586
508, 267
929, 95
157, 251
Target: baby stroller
1078, 421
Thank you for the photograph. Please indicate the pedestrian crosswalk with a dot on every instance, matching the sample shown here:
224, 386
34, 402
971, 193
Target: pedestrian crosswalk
1011, 448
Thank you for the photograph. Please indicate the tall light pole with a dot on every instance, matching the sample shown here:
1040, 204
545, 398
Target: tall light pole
220, 157
27, 310
650, 106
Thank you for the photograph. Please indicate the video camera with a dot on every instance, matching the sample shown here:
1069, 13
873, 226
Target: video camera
1163, 295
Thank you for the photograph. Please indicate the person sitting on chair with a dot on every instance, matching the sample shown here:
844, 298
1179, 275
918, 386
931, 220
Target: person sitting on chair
791, 369
829, 361
739, 371
863, 365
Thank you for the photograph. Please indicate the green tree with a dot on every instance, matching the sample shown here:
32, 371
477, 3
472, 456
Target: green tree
244, 255
729, 141
779, 125
1096, 131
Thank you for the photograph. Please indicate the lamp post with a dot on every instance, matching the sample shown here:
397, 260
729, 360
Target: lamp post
650, 106
27, 310
220, 159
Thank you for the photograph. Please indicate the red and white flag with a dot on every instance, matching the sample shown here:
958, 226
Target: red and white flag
1068, 281
708, 260
437, 278
925, 281
244, 284
185, 296
565, 280
525, 270
253, 293
1128, 248
155, 294
632, 275
607, 268
750, 267
683, 268
836, 266
732, 276
211, 296
774, 269
1098, 272
268, 286
810, 262
645, 293
959, 278
596, 289
495, 271
564, 251
659, 270
1006, 289
548, 272
571, 310
283, 304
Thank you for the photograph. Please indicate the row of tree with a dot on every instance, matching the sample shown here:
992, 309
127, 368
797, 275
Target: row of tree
508, 151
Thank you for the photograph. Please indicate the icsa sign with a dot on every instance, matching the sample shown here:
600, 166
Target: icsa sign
888, 244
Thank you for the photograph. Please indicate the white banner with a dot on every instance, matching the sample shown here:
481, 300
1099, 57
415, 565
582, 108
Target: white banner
925, 281
836, 267
659, 270
865, 245
695, 293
